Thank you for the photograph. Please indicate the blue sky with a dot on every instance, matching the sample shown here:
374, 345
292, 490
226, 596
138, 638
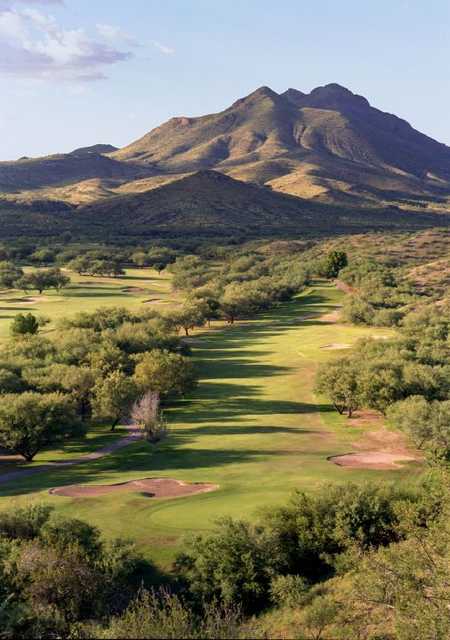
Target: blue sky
79, 72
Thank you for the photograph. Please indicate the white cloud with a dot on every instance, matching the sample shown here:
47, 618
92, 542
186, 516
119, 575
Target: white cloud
116, 34
163, 48
34, 45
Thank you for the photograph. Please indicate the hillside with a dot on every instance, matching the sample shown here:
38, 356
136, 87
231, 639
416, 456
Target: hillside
61, 169
329, 144
201, 205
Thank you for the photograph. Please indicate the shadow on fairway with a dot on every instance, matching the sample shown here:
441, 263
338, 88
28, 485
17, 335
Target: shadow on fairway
224, 357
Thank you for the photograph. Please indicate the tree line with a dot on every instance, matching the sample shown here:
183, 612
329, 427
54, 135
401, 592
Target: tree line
95, 366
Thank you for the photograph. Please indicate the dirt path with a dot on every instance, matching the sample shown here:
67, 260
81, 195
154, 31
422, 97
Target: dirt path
133, 435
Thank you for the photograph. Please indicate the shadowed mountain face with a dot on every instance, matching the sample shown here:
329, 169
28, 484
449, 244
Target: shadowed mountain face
329, 145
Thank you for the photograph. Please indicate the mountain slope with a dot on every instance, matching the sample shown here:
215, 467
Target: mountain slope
82, 164
330, 142
329, 145
211, 203
202, 205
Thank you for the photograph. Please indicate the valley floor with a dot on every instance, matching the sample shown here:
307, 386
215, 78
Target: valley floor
253, 426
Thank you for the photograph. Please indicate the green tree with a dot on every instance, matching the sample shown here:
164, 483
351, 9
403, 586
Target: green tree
31, 421
9, 275
164, 372
239, 301
43, 256
41, 280
334, 262
413, 417
339, 381
190, 315
113, 397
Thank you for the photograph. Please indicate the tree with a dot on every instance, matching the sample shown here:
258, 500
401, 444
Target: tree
140, 258
238, 300
77, 380
426, 423
113, 397
381, 383
339, 380
31, 421
334, 262
412, 416
43, 256
190, 315
9, 274
57, 279
164, 372
44, 279
24, 324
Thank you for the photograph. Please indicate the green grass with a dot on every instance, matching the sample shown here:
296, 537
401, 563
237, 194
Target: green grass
88, 293
253, 426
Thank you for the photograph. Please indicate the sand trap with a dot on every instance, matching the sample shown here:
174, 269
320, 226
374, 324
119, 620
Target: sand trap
133, 290
336, 345
151, 487
155, 301
372, 460
28, 300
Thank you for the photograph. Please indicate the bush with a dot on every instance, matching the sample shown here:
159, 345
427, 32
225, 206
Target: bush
235, 565
24, 324
288, 591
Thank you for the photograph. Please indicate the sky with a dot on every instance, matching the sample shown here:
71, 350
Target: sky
80, 72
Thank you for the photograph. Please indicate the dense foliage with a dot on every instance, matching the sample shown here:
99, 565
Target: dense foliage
94, 366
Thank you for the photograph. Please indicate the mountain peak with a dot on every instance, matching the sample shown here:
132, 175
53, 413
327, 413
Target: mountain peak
295, 96
94, 149
334, 94
255, 96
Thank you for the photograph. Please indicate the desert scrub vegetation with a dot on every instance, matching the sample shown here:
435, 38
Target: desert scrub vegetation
334, 564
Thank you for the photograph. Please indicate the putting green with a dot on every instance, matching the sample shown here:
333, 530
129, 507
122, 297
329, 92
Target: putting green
253, 426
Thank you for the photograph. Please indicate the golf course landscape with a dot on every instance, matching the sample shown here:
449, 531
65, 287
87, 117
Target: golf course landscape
253, 427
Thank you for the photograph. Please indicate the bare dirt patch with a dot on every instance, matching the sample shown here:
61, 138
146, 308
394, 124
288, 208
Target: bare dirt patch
332, 317
336, 345
371, 418
372, 460
342, 286
151, 487
377, 449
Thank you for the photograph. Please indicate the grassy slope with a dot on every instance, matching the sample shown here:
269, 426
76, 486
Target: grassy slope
87, 293
253, 426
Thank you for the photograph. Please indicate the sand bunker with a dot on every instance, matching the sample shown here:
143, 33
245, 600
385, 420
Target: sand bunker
336, 345
28, 300
151, 487
133, 290
155, 301
372, 460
